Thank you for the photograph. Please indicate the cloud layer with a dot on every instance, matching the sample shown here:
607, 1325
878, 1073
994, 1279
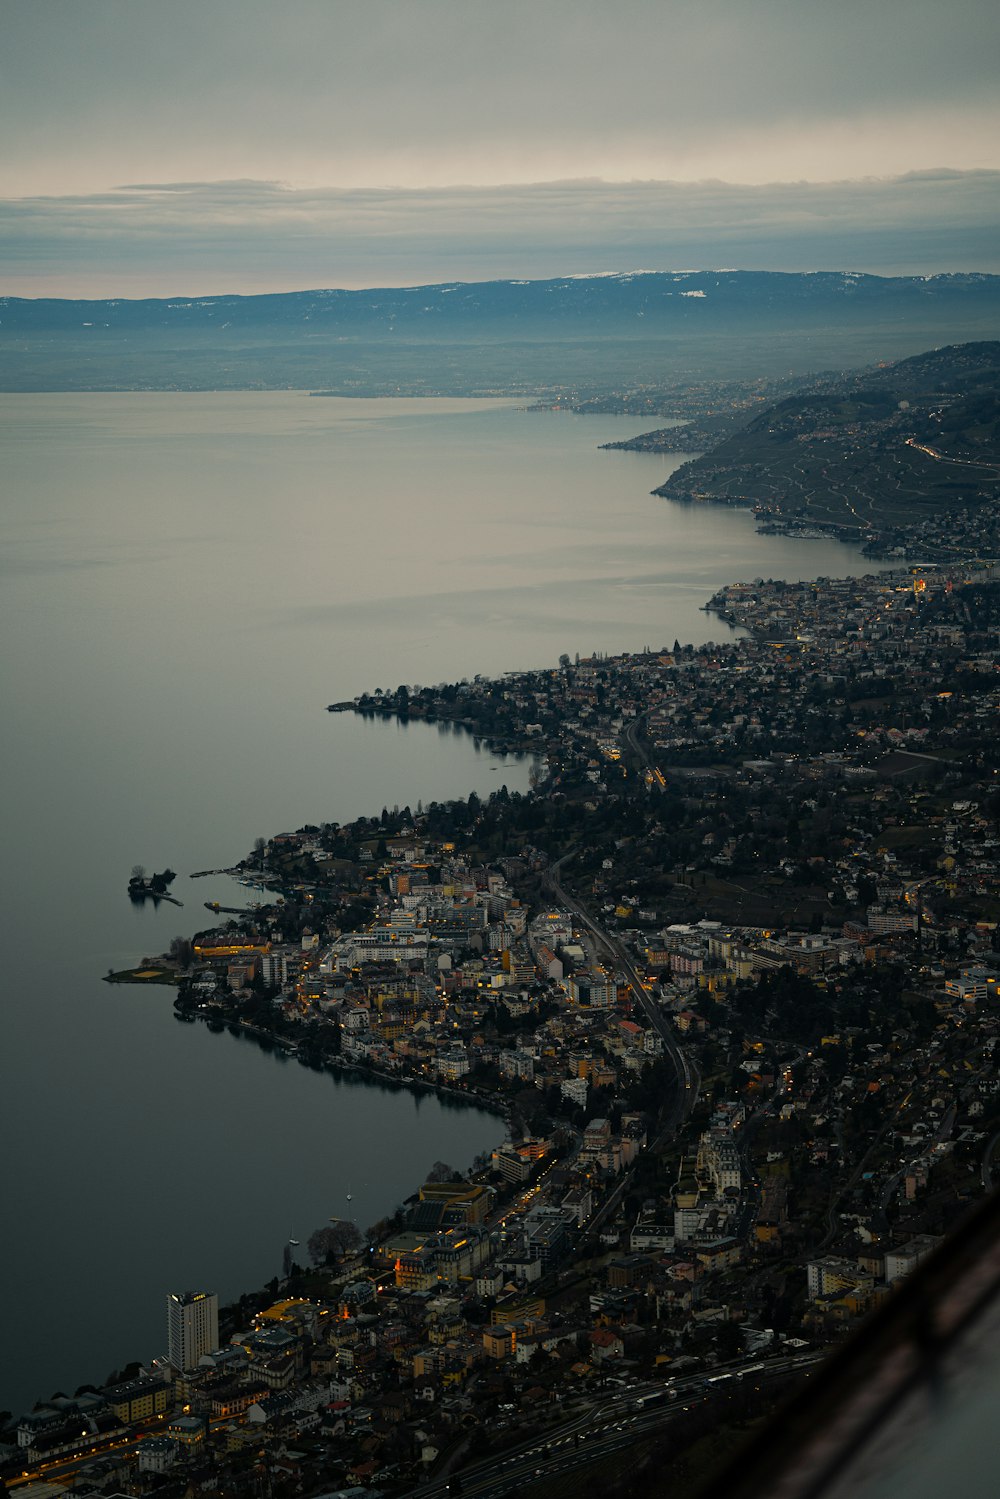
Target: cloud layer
424, 93
191, 238
322, 140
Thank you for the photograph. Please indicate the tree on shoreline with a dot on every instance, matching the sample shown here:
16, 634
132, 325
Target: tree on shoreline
442, 1172
182, 951
334, 1242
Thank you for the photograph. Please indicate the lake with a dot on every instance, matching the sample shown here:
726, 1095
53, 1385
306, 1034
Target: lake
188, 580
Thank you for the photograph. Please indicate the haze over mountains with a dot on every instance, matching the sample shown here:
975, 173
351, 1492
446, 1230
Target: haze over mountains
592, 331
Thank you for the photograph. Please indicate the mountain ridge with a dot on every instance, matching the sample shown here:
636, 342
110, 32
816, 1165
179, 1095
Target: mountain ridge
878, 450
684, 294
589, 333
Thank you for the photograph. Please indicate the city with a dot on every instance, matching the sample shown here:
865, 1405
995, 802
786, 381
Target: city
729, 972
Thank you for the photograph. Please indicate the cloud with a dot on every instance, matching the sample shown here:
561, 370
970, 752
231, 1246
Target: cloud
188, 237
359, 92
320, 142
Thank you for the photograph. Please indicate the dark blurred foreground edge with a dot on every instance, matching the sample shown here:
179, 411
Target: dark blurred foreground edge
899, 1353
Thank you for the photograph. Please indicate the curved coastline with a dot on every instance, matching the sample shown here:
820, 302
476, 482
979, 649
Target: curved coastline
352, 1071
485, 1102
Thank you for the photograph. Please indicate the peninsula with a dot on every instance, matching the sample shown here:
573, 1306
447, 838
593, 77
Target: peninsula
732, 978
730, 971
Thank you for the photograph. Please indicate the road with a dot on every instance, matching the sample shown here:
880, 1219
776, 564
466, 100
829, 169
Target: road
891, 1186
684, 1068
929, 452
63, 1469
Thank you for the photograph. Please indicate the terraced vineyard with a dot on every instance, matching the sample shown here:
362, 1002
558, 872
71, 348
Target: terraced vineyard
885, 448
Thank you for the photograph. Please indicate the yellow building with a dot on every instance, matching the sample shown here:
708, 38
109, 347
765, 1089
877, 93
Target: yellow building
212, 953
498, 1342
517, 1309
473, 1202
138, 1399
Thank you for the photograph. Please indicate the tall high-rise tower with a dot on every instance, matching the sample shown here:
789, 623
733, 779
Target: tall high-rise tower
192, 1327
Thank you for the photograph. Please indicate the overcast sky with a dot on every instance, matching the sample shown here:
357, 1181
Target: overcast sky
236, 145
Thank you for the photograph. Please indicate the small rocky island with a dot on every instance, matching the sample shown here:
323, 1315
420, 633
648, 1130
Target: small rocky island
152, 887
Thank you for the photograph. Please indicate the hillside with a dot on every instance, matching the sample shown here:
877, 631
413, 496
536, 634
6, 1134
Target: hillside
884, 448
586, 332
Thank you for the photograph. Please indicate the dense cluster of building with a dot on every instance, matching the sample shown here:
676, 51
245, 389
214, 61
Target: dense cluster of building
781, 905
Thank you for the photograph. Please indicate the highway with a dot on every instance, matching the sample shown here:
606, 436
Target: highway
684, 1068
929, 452
61, 1469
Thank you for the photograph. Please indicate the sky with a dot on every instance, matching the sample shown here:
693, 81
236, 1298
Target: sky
204, 146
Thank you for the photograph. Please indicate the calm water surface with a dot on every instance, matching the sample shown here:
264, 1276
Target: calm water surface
187, 580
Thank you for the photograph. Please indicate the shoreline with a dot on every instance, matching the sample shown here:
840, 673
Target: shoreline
352, 1068
396, 1082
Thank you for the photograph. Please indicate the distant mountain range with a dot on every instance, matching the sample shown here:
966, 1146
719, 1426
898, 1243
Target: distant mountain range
590, 331
608, 302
